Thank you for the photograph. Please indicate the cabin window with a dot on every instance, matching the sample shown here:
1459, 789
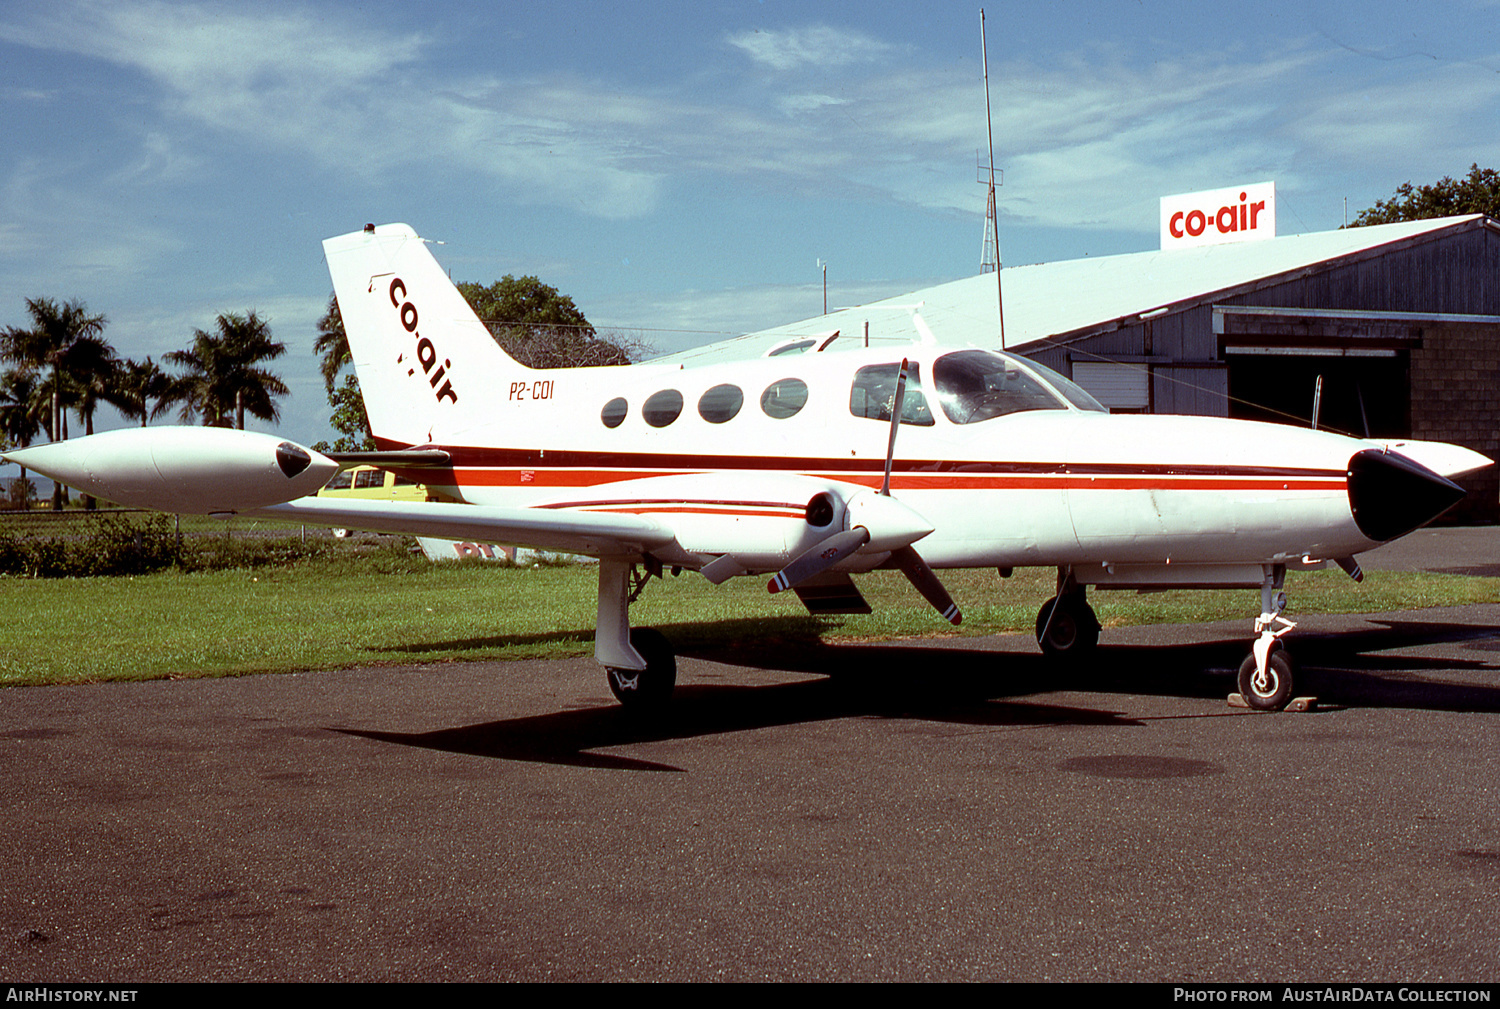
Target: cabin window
784, 398
721, 403
874, 392
341, 481
976, 385
662, 408
614, 412
367, 478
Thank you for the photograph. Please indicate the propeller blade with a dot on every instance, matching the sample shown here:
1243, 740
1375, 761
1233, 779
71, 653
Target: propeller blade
890, 448
920, 575
820, 558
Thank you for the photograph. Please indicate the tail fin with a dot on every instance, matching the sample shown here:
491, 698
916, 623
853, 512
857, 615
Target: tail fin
426, 364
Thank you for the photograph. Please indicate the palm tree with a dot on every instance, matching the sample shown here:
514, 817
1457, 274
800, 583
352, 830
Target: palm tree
137, 384
22, 404
332, 344
63, 339
221, 376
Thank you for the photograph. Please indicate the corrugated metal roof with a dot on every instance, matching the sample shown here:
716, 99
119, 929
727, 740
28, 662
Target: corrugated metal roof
1050, 300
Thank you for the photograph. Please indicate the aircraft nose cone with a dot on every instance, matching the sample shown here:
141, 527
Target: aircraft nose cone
1390, 495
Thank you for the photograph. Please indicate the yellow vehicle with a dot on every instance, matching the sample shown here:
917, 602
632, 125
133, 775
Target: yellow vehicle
372, 483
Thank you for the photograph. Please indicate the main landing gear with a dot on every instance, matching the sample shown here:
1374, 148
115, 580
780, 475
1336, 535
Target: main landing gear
639, 664
1267, 674
650, 687
1066, 628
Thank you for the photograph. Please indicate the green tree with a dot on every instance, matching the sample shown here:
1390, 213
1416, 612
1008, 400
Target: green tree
332, 344
1477, 193
349, 418
542, 328
221, 378
64, 342
23, 403
139, 384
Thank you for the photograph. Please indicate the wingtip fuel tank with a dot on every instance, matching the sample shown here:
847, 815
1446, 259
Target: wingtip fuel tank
186, 470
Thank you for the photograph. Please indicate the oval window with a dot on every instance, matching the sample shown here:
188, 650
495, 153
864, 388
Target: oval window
784, 398
662, 408
614, 412
721, 403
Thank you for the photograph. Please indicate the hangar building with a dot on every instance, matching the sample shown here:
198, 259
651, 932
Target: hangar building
1401, 321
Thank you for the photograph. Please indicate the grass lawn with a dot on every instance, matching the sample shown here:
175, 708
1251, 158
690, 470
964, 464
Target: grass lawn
346, 611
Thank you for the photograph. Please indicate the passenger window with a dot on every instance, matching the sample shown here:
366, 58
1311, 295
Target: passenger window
662, 408
784, 399
874, 392
614, 412
721, 403
369, 478
341, 481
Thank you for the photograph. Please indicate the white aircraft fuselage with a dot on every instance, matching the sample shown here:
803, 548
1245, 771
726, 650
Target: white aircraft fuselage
779, 465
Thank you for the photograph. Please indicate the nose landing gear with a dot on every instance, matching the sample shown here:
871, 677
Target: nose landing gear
1267, 678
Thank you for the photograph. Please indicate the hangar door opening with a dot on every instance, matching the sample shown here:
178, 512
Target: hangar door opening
1366, 392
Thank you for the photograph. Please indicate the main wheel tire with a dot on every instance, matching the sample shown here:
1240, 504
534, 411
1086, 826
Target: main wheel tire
1072, 634
649, 687
1276, 691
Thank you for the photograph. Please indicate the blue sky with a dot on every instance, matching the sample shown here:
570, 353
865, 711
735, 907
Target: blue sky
679, 168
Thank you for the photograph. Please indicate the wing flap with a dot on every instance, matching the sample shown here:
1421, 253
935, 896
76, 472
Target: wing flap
595, 534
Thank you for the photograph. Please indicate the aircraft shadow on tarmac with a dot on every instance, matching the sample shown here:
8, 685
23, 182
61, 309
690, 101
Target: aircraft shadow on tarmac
974, 686
574, 737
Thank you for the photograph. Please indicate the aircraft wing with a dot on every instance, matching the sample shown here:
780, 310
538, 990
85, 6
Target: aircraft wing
595, 534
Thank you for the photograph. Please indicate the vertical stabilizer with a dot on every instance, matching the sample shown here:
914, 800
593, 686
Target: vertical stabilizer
426, 364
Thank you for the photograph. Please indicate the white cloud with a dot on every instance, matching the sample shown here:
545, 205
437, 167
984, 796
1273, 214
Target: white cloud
793, 104
818, 46
1088, 139
353, 99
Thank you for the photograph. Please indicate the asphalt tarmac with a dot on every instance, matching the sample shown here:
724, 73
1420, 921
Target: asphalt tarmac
939, 810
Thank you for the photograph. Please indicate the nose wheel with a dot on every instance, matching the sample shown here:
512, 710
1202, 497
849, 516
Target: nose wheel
1271, 689
1266, 678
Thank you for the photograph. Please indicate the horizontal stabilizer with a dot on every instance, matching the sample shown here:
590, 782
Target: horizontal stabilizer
412, 458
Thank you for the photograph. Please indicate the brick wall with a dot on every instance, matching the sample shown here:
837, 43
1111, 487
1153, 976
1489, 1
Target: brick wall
1455, 397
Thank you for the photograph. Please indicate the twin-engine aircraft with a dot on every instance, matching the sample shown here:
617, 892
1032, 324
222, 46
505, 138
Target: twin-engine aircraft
806, 468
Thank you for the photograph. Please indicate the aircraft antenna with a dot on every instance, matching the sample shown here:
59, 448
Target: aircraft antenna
992, 218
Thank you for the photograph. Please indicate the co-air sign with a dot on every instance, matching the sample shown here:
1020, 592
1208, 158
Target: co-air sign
1236, 214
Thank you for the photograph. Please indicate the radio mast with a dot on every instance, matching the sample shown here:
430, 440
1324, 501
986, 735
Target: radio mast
992, 219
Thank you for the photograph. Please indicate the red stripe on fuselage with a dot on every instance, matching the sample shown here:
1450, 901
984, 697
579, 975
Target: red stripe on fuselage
1307, 481
534, 469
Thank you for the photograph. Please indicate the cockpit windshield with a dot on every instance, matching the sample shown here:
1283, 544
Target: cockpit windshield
978, 385
1071, 390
